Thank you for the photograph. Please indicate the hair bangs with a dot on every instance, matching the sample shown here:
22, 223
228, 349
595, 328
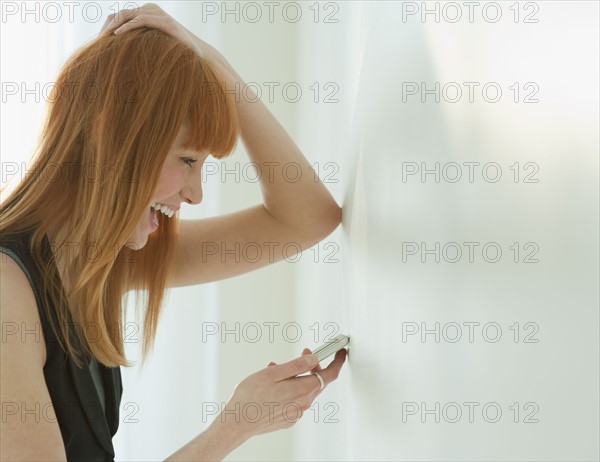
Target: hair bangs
212, 114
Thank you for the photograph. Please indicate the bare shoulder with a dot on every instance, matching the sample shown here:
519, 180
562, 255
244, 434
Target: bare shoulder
19, 313
23, 386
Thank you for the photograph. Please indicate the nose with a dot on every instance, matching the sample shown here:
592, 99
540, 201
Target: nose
192, 193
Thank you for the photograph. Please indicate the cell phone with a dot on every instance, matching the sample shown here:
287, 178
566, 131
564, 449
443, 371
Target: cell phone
332, 346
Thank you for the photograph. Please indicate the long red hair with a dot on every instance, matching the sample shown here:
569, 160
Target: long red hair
112, 116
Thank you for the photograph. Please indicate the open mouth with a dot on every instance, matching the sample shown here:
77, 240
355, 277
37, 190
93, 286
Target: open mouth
165, 210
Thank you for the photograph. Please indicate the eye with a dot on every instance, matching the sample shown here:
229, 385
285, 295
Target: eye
188, 161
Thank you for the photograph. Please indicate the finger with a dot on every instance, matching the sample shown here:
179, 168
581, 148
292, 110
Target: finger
314, 384
331, 372
108, 21
307, 351
272, 364
293, 368
116, 19
128, 14
146, 20
134, 22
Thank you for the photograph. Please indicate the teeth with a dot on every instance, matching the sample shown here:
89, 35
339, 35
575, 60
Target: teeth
164, 209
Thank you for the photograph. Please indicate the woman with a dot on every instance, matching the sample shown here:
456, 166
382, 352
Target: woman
131, 119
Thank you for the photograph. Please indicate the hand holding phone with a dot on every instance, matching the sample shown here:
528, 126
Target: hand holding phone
332, 346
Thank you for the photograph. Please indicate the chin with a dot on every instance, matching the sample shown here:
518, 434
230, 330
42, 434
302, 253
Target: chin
136, 244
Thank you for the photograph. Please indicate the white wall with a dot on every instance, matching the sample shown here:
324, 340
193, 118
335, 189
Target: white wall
376, 297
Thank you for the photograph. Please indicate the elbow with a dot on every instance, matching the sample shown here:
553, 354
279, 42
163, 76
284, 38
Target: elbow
327, 222
317, 225
336, 218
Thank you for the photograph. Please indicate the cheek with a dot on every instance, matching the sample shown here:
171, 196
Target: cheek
169, 182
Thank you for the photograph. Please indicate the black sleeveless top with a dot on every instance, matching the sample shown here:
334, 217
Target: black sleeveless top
85, 400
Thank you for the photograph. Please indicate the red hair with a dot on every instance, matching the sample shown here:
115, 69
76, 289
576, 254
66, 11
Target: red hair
116, 109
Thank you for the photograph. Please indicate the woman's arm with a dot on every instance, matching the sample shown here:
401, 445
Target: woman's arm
214, 443
305, 204
293, 213
274, 392
28, 428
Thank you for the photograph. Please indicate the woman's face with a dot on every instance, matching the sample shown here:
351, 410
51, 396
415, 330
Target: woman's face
180, 181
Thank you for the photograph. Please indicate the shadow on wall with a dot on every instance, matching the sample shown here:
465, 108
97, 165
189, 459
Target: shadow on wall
379, 212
